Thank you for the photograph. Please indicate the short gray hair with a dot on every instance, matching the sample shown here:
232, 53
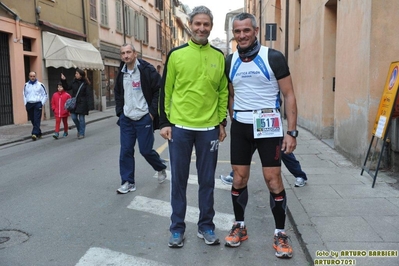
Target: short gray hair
200, 10
243, 16
129, 44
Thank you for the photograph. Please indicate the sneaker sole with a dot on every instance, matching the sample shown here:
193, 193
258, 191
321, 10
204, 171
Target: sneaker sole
232, 245
124, 192
216, 242
160, 181
300, 185
176, 245
283, 256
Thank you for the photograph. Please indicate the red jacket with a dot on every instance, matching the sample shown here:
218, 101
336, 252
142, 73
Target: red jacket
57, 103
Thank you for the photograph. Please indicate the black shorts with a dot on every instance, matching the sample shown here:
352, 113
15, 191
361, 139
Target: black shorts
243, 145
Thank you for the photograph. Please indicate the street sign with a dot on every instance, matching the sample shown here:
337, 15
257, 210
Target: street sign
386, 110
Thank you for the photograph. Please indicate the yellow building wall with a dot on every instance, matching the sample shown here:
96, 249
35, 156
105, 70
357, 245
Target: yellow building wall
352, 96
353, 43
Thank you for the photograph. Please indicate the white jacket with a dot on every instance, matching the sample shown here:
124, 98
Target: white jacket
35, 92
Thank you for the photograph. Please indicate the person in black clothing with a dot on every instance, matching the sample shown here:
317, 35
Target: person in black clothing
80, 88
136, 97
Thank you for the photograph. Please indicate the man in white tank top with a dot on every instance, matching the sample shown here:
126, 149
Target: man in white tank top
257, 75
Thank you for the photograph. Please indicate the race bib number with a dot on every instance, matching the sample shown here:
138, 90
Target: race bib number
267, 125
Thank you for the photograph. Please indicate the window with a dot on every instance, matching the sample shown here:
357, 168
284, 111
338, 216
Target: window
145, 29
159, 4
104, 12
129, 21
159, 37
173, 32
27, 44
93, 9
141, 28
136, 23
118, 8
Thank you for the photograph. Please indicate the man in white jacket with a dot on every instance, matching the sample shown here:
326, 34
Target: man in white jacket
35, 96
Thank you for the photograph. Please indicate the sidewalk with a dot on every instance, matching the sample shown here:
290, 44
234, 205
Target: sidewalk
14, 133
337, 215
337, 212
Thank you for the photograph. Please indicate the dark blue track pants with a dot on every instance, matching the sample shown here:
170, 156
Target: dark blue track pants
35, 116
142, 131
206, 146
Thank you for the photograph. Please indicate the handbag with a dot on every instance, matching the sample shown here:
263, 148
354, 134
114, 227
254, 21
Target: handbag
70, 104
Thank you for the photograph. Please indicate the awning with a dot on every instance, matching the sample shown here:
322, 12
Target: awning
64, 52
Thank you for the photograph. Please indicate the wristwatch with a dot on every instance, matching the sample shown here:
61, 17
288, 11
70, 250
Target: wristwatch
224, 123
293, 133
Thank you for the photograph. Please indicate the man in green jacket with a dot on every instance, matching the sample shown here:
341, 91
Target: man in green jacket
193, 104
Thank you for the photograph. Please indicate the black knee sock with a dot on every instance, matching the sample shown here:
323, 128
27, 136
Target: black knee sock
240, 200
278, 204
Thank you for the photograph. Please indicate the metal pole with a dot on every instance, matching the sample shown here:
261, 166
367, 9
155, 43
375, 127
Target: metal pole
270, 35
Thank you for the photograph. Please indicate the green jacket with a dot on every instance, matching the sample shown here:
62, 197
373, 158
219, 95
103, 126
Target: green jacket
194, 89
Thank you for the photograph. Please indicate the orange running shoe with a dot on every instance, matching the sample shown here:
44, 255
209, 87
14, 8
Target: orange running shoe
236, 235
281, 245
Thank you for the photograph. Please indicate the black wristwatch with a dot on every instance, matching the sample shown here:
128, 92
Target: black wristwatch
224, 122
293, 133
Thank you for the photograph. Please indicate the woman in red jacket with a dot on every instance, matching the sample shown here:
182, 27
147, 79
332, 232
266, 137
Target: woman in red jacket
57, 105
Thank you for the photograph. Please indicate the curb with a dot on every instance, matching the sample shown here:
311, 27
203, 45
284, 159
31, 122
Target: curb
48, 132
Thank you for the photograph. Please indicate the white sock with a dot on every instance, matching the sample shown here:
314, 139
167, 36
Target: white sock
241, 223
276, 231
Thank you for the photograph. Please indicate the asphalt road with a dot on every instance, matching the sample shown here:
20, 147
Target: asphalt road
58, 206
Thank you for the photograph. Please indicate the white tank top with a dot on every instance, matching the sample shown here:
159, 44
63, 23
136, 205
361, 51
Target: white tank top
255, 86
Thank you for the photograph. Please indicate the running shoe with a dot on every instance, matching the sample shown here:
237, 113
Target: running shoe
126, 187
236, 235
282, 246
176, 240
300, 182
209, 237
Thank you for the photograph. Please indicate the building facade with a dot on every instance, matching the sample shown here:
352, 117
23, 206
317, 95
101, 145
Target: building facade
50, 38
53, 37
133, 22
231, 44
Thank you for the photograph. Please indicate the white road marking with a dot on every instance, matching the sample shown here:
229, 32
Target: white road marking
101, 256
193, 180
223, 221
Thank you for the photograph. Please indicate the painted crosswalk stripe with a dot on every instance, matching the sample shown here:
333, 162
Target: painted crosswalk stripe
193, 180
223, 221
101, 256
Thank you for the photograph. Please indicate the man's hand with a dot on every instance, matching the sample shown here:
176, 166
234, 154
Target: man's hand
222, 133
166, 133
288, 145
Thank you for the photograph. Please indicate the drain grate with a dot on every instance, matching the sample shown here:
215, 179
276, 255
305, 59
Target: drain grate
9, 238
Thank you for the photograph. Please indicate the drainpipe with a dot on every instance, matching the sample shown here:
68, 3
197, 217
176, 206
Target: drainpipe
17, 19
123, 21
287, 21
18, 30
37, 13
260, 21
84, 19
